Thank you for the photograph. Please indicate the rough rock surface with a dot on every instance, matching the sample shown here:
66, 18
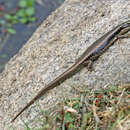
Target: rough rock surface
54, 47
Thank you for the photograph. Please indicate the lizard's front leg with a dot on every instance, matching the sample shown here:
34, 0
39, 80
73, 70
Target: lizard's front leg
89, 64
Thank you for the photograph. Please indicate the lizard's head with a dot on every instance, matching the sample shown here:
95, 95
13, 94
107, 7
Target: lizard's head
126, 24
125, 27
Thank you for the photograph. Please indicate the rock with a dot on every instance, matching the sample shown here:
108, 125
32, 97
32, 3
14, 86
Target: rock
54, 47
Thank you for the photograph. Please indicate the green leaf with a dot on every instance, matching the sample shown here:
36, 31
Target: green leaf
14, 19
11, 30
30, 3
20, 13
8, 16
11, 18
8, 25
29, 11
68, 117
71, 125
22, 3
32, 19
23, 20
27, 127
76, 105
63, 126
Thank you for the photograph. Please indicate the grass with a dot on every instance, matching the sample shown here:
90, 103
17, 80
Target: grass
92, 109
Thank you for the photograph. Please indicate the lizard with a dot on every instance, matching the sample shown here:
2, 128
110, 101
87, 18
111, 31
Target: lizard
87, 58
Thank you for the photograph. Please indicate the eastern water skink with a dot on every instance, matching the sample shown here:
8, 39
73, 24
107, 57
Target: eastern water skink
90, 55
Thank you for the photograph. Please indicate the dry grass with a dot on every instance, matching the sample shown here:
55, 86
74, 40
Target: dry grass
104, 109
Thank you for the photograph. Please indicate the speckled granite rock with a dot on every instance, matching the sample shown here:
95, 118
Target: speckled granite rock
54, 47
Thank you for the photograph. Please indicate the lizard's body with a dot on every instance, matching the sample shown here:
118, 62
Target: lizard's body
91, 54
